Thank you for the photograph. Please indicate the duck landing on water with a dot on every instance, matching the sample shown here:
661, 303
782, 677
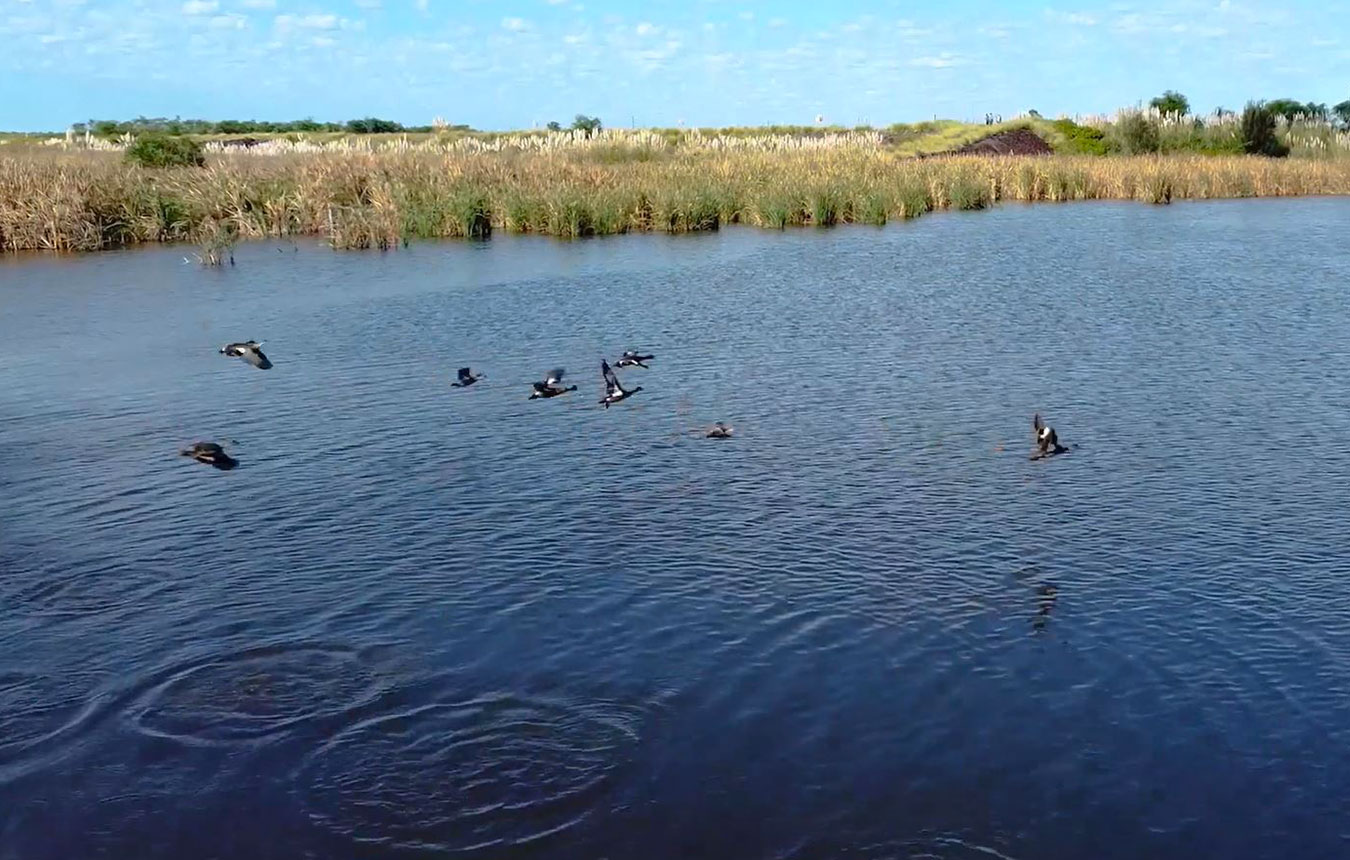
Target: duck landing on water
720, 431
632, 359
211, 454
1047, 442
249, 351
614, 392
466, 378
551, 386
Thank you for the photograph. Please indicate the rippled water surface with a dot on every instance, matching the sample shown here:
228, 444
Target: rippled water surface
422, 621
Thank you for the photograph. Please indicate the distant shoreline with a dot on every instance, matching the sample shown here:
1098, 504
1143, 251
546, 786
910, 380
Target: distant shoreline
357, 197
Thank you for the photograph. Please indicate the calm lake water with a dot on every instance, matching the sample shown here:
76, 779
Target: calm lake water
421, 621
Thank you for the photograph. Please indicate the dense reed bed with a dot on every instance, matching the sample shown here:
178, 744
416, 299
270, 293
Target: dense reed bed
86, 200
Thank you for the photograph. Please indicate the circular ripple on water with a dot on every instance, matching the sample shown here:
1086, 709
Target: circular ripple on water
489, 773
251, 695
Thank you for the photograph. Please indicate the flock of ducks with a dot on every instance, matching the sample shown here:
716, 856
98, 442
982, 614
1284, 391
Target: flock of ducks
250, 351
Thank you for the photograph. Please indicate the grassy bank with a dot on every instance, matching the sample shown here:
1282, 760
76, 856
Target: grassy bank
86, 200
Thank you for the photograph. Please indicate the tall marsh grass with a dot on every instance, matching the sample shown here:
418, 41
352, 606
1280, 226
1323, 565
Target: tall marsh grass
86, 200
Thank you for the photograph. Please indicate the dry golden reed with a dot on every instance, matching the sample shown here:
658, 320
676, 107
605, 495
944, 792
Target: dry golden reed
74, 201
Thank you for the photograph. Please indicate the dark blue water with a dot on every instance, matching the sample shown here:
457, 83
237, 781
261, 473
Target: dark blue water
421, 621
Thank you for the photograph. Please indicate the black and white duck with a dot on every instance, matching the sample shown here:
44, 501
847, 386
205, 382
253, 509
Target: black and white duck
211, 454
551, 386
632, 359
720, 431
614, 392
466, 378
1047, 441
249, 351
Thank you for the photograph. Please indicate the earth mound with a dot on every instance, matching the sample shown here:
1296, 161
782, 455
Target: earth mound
1016, 141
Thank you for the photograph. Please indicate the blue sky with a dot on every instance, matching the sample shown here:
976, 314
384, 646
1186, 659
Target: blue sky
517, 63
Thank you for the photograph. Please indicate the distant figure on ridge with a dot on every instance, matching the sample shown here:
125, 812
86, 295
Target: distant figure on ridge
1047, 442
249, 351
466, 378
211, 454
550, 386
632, 359
614, 392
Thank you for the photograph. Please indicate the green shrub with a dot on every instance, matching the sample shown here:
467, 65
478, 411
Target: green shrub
163, 150
1081, 139
1135, 134
1258, 132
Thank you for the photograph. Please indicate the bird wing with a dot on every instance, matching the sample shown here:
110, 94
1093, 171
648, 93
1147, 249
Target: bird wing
554, 376
611, 381
541, 388
464, 374
1036, 424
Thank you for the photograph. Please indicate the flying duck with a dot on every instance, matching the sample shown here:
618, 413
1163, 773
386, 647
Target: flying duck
632, 359
614, 392
720, 431
249, 351
1047, 442
211, 454
550, 387
466, 378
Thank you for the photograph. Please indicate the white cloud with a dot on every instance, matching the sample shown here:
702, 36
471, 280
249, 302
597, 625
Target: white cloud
307, 22
200, 7
515, 25
941, 61
229, 22
421, 5
777, 22
322, 42
259, 4
646, 29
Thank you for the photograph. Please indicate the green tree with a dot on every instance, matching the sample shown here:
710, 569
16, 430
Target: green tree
1292, 109
588, 124
1171, 103
371, 125
1258, 132
157, 149
1342, 112
555, 126
1135, 134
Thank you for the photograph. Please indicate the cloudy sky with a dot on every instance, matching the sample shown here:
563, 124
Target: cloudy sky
517, 63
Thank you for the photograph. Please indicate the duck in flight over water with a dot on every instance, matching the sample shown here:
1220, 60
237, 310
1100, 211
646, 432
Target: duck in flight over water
211, 454
1047, 442
550, 386
720, 431
249, 351
466, 378
614, 392
632, 359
